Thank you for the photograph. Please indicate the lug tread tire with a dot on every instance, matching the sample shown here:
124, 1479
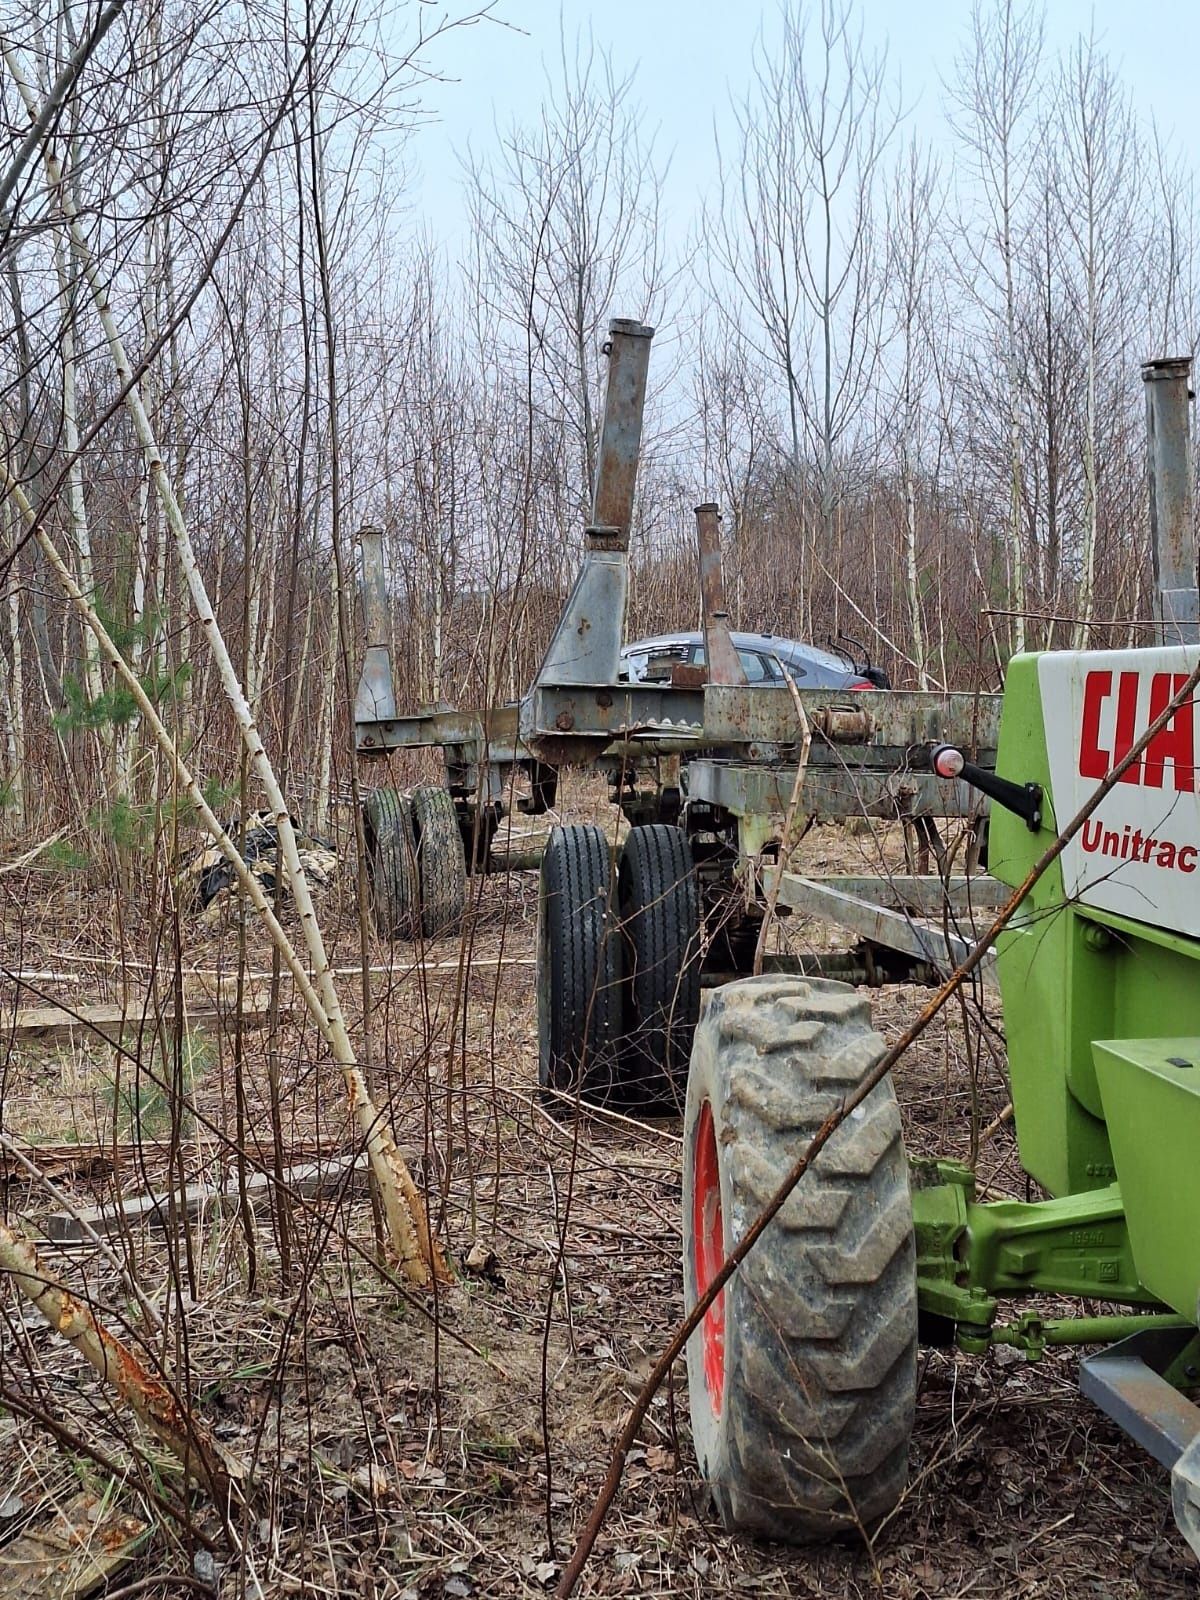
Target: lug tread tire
441, 862
660, 922
392, 864
580, 1000
811, 1440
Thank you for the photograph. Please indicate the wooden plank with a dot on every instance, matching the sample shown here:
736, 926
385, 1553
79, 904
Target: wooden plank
56, 1025
311, 1180
70, 1552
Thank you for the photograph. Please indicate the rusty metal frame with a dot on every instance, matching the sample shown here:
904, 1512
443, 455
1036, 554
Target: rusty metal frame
893, 929
1126, 1382
737, 744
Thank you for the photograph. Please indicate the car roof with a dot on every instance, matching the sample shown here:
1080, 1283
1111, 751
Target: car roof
765, 643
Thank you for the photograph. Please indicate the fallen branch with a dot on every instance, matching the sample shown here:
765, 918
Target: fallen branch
151, 1398
29, 856
825, 1132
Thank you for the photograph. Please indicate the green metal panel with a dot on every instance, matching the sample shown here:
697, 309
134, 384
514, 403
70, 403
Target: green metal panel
1151, 1094
1069, 975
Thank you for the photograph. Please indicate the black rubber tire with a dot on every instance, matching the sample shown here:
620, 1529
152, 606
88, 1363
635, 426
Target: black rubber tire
802, 1427
441, 864
579, 989
659, 902
392, 864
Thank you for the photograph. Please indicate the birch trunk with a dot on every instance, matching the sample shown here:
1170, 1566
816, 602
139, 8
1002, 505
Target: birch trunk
913, 577
418, 1255
14, 720
76, 505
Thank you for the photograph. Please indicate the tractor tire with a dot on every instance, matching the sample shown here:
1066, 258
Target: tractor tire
441, 864
659, 902
802, 1377
580, 1012
392, 864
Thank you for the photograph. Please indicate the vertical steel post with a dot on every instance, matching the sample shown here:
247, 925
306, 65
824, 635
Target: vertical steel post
1172, 529
724, 665
375, 700
628, 350
586, 645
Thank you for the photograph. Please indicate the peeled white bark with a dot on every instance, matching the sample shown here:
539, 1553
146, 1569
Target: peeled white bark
116, 1363
76, 505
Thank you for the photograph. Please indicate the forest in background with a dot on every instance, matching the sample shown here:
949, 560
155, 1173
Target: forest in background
910, 378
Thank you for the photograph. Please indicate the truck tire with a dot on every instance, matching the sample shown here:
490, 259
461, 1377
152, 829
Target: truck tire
802, 1376
660, 923
441, 864
580, 1013
392, 864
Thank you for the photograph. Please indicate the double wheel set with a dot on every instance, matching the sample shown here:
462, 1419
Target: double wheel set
416, 862
618, 968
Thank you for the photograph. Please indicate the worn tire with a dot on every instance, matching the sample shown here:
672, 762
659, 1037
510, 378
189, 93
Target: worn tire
580, 1012
659, 904
802, 1377
392, 864
441, 864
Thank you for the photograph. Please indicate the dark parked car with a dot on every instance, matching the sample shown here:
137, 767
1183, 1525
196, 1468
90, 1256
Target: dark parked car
651, 661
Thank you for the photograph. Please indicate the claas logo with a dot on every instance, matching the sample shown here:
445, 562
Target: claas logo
1122, 711
1173, 745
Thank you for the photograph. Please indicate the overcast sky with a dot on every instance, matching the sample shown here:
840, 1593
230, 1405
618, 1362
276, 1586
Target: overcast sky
687, 56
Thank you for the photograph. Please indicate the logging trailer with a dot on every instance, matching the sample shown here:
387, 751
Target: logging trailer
803, 1372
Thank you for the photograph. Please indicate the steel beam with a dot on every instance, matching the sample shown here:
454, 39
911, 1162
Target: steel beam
585, 647
899, 718
895, 930
1172, 529
746, 789
375, 700
723, 663
1126, 1382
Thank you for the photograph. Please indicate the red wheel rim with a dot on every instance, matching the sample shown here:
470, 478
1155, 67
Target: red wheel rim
708, 1251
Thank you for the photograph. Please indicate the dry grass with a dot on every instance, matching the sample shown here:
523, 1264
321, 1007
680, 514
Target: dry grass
405, 1450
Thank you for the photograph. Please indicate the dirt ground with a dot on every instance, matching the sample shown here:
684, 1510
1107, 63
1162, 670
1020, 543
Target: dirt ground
403, 1445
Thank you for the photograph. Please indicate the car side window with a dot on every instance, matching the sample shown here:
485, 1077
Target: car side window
795, 670
758, 668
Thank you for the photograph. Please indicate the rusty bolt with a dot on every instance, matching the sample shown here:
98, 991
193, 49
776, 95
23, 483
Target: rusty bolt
564, 721
604, 700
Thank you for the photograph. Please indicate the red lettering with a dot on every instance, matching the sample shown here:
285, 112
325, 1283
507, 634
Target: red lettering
1188, 850
1127, 729
1094, 762
1174, 743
